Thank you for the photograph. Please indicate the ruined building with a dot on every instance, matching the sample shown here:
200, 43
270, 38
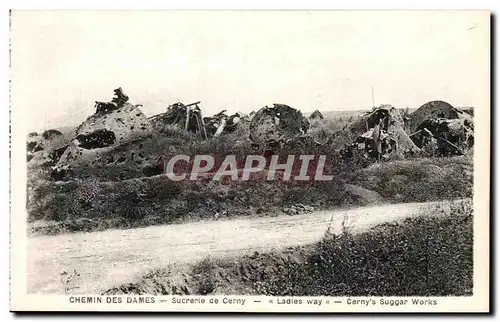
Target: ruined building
442, 130
378, 134
187, 117
277, 123
112, 124
435, 109
222, 123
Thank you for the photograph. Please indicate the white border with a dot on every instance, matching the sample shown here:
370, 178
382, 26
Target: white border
147, 4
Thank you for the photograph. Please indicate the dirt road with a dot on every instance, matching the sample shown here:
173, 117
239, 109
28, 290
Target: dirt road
105, 259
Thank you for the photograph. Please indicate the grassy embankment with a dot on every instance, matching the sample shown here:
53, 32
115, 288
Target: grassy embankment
428, 255
92, 205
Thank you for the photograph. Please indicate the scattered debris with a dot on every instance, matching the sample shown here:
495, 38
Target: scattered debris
34, 146
361, 196
443, 137
379, 134
120, 97
218, 215
187, 117
37, 143
298, 209
301, 142
222, 123
116, 102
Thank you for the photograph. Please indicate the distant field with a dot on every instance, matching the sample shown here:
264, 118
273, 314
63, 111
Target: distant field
356, 113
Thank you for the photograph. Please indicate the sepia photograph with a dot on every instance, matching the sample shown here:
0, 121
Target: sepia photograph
250, 161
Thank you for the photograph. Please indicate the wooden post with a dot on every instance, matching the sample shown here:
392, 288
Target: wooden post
187, 118
203, 129
221, 128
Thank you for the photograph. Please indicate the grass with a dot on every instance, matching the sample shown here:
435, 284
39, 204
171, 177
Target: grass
428, 255
323, 129
91, 205
419, 180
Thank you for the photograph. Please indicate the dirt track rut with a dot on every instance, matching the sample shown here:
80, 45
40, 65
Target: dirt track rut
105, 259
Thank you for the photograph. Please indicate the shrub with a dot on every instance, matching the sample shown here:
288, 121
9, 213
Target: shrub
419, 180
429, 255
62, 208
424, 256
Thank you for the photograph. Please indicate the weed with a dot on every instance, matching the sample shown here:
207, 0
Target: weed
421, 256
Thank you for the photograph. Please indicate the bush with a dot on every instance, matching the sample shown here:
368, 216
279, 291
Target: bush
424, 256
430, 255
136, 201
323, 130
418, 180
62, 208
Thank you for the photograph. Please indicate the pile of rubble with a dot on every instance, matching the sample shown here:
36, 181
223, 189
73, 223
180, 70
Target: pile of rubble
442, 130
436, 128
277, 123
187, 117
298, 209
378, 135
223, 123
112, 124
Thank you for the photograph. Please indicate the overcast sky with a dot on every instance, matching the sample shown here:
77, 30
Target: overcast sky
63, 61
